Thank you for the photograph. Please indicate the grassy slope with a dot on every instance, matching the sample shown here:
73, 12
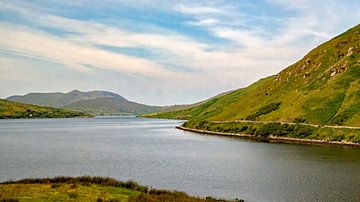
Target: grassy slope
10, 109
87, 189
183, 111
308, 90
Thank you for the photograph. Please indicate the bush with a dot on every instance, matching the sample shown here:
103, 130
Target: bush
55, 185
9, 200
104, 200
299, 120
73, 186
356, 138
73, 195
301, 131
339, 119
264, 110
243, 128
277, 129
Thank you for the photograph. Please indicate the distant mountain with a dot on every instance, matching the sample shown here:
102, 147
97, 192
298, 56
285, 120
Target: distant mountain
323, 88
111, 106
13, 110
96, 102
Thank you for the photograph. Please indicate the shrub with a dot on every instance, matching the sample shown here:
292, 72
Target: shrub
301, 131
73, 195
104, 200
73, 186
356, 138
340, 118
264, 110
243, 128
299, 120
55, 185
9, 200
277, 129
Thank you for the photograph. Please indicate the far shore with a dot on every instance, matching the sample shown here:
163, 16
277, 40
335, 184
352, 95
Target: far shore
273, 139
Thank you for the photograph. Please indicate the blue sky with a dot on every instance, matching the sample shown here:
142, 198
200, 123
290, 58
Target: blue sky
159, 52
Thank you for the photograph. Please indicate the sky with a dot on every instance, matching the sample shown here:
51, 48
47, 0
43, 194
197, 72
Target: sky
159, 52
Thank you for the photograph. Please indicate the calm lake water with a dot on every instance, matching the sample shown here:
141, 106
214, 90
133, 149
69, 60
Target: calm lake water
154, 153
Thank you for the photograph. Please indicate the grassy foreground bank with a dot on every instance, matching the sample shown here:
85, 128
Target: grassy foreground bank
88, 188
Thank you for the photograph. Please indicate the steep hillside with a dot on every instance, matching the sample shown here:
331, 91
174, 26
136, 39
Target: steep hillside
9, 109
96, 102
322, 88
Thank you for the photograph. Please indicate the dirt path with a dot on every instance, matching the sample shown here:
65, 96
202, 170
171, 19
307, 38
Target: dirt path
273, 138
290, 123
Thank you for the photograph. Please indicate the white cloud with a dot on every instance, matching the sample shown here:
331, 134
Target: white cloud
205, 22
198, 9
249, 54
23, 40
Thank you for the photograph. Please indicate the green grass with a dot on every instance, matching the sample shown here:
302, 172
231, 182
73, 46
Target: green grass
264, 110
321, 88
88, 188
263, 130
13, 110
65, 192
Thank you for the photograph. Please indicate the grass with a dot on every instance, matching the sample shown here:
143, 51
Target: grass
14, 110
263, 130
88, 188
44, 192
322, 88
264, 110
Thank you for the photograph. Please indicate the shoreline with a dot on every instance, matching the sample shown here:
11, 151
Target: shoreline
273, 139
92, 188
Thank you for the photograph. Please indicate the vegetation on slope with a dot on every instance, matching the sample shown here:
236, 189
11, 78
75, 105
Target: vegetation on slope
322, 88
88, 188
262, 131
13, 110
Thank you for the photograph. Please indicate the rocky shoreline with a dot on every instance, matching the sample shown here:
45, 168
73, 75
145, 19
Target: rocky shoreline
273, 139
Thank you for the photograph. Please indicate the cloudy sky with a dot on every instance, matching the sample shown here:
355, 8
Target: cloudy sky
159, 52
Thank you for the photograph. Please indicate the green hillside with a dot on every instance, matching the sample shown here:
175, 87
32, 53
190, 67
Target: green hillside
95, 102
322, 88
10, 110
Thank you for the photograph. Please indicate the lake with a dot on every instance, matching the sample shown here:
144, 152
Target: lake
154, 153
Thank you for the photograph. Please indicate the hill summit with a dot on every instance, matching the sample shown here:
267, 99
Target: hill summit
322, 88
96, 102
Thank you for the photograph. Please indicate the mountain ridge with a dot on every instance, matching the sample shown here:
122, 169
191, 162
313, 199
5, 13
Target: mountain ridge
89, 101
